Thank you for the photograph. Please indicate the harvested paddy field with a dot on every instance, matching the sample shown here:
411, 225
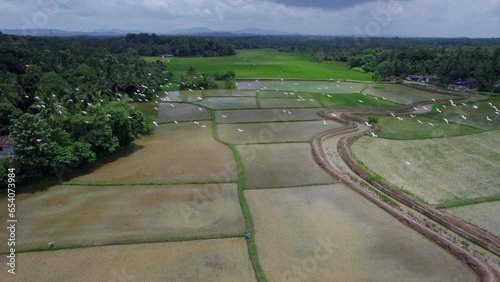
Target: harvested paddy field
223, 103
181, 112
403, 94
263, 115
204, 260
284, 103
298, 131
99, 214
229, 93
439, 169
484, 215
330, 233
330, 87
281, 165
174, 152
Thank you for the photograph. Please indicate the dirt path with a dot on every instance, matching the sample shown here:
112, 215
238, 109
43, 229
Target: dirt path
341, 164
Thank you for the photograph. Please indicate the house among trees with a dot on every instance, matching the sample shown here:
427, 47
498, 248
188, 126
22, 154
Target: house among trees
391, 79
465, 84
5, 148
421, 78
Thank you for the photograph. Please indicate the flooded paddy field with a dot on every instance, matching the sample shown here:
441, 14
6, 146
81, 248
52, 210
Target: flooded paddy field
99, 214
284, 103
263, 115
174, 152
223, 103
281, 165
224, 260
330, 233
298, 131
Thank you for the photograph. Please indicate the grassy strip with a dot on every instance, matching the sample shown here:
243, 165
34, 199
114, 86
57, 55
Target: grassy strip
252, 247
245, 208
295, 186
458, 202
280, 121
127, 242
143, 183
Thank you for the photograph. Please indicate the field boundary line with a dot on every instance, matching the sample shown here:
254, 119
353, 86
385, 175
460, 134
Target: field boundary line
61, 247
456, 202
111, 184
293, 187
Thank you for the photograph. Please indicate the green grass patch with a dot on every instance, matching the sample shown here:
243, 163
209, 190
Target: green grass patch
410, 128
458, 202
353, 101
376, 177
265, 63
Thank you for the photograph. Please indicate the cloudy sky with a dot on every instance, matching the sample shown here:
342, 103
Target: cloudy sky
443, 18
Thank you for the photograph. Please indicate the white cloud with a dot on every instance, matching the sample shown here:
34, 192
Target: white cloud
419, 17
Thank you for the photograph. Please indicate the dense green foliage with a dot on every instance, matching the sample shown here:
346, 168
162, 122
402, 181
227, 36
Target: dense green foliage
64, 104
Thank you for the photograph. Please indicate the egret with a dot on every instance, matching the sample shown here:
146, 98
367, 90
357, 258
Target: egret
415, 108
36, 98
384, 98
462, 116
84, 112
439, 111
240, 130
172, 105
203, 126
374, 135
463, 104
367, 124
497, 113
38, 140
444, 106
224, 116
289, 112
425, 108
156, 108
420, 121
197, 123
475, 107
155, 123
434, 100
400, 118
200, 109
129, 117
488, 118
447, 122
334, 115
392, 114
324, 121
360, 101
412, 116
108, 115
408, 163
175, 122
431, 124
60, 112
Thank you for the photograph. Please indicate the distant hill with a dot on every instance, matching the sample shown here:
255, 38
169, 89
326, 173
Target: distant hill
65, 33
208, 32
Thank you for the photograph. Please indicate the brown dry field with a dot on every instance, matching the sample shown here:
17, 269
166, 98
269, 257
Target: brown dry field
181, 112
484, 215
234, 116
330, 233
204, 260
281, 165
302, 131
174, 152
92, 215
440, 169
